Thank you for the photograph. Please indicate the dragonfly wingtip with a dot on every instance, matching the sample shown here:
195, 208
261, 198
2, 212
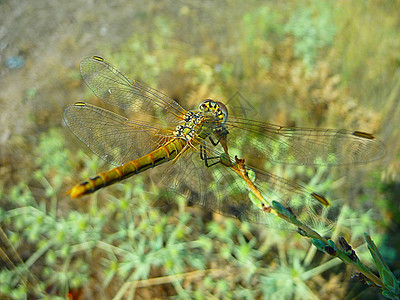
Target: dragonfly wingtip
321, 199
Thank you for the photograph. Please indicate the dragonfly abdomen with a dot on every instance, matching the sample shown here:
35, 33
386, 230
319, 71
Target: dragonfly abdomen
159, 156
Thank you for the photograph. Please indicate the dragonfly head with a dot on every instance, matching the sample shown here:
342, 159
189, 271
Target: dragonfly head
218, 108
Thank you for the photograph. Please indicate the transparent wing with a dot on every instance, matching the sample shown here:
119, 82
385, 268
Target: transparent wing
113, 87
220, 189
295, 145
114, 138
216, 186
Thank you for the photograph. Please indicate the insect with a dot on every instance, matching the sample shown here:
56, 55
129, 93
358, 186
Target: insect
205, 150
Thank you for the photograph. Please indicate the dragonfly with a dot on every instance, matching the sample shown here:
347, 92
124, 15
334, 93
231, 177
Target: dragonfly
205, 151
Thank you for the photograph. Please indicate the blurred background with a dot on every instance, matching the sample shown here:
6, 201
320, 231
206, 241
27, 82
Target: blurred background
296, 63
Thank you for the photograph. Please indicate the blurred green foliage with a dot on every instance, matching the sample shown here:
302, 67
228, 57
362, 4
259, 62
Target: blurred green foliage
313, 63
313, 29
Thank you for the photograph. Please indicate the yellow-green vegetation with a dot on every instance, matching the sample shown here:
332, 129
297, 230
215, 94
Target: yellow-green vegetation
307, 63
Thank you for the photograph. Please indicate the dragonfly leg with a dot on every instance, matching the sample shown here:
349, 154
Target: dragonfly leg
212, 141
221, 140
203, 156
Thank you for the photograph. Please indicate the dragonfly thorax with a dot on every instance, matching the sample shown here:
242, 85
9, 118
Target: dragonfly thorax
185, 132
189, 127
209, 119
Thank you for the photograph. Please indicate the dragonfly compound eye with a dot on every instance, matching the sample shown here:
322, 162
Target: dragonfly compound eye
204, 106
223, 111
218, 109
